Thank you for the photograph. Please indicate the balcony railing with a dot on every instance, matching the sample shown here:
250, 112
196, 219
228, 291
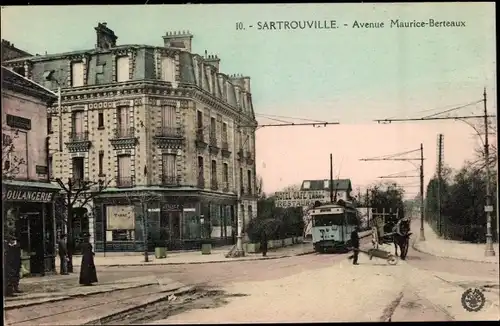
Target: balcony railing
170, 180
225, 186
200, 136
168, 132
125, 182
242, 190
214, 185
77, 182
225, 145
213, 141
201, 182
78, 136
124, 132
249, 190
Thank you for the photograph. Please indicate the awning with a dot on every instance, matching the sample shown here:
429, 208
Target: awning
29, 191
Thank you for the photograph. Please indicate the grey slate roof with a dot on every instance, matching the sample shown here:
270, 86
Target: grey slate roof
338, 184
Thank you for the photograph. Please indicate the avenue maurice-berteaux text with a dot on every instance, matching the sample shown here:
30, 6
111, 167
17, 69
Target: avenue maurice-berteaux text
333, 24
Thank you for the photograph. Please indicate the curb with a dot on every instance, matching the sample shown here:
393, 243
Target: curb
66, 297
414, 246
228, 260
180, 291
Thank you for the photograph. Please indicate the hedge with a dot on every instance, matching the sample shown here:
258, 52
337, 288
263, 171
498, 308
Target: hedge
285, 223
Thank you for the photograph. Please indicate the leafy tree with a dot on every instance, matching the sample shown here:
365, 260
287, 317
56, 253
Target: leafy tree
387, 195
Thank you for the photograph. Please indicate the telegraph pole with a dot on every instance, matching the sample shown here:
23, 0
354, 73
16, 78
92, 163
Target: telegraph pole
439, 183
488, 208
422, 234
331, 178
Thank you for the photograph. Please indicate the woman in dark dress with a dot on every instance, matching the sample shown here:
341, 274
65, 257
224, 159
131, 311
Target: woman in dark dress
88, 273
263, 242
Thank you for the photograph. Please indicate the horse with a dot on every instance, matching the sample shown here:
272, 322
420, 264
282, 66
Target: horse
402, 240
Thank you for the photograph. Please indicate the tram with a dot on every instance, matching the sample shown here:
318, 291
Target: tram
332, 225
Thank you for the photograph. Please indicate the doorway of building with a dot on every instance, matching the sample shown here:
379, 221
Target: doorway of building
32, 241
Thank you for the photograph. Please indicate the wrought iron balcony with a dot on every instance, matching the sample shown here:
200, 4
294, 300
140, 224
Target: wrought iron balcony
225, 186
225, 149
214, 185
78, 136
200, 139
169, 132
201, 181
214, 147
249, 190
78, 142
170, 180
125, 182
124, 133
124, 138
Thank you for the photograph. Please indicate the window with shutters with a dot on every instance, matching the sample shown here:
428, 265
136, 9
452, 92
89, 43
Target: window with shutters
249, 181
49, 125
169, 171
168, 121
100, 120
213, 131
242, 189
225, 176
123, 120
122, 69
77, 74
201, 172
214, 175
168, 69
124, 179
78, 128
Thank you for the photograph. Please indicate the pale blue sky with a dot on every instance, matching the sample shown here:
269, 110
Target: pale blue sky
349, 75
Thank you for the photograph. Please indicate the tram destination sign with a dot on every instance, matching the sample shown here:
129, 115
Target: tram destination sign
28, 196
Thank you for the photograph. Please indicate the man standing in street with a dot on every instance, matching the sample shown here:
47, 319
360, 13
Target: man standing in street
12, 265
263, 242
63, 254
355, 245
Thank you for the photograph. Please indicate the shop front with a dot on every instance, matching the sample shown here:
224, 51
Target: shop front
178, 222
28, 210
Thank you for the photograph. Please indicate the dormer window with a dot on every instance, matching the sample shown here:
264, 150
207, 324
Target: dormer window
326, 184
306, 185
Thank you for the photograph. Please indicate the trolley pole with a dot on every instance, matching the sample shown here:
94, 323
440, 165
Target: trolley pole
488, 208
422, 235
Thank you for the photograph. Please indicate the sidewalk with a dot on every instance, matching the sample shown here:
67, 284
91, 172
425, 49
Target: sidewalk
193, 257
436, 246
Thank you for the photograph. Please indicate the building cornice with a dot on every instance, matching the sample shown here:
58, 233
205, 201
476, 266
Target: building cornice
19, 84
152, 89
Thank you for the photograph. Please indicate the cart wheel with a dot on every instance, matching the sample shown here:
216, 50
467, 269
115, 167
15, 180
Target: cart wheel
392, 260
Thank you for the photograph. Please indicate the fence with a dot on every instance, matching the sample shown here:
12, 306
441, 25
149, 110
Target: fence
474, 233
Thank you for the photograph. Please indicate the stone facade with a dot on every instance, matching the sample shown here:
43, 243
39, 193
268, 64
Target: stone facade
158, 77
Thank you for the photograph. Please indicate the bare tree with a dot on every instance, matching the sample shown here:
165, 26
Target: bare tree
11, 163
144, 198
479, 163
295, 187
75, 194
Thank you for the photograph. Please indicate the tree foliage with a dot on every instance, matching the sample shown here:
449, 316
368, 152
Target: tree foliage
387, 195
463, 198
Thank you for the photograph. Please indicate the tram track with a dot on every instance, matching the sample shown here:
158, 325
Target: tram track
83, 310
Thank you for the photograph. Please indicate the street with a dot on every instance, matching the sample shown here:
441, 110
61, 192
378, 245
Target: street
315, 287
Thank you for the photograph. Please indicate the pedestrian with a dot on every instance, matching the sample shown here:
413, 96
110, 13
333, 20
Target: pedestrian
355, 245
88, 273
12, 256
263, 242
63, 254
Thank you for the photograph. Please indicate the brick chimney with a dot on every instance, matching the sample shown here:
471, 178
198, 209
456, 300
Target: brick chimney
178, 40
106, 38
212, 60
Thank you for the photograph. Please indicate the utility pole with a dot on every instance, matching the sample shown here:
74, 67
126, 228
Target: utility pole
422, 234
331, 178
488, 208
394, 157
439, 181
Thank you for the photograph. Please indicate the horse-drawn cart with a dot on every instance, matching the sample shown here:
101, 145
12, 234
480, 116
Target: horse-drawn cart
391, 259
394, 231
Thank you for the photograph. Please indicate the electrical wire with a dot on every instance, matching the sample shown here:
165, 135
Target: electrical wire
286, 117
453, 109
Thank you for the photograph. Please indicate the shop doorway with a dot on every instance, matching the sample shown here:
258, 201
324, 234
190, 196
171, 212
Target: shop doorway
32, 241
171, 223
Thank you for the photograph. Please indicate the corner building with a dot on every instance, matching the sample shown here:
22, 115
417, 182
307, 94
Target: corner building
171, 136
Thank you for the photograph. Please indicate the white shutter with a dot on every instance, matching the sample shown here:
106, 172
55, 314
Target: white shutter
124, 163
122, 69
124, 118
78, 122
77, 74
168, 116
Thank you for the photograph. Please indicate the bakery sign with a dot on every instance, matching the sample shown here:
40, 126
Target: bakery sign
36, 196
